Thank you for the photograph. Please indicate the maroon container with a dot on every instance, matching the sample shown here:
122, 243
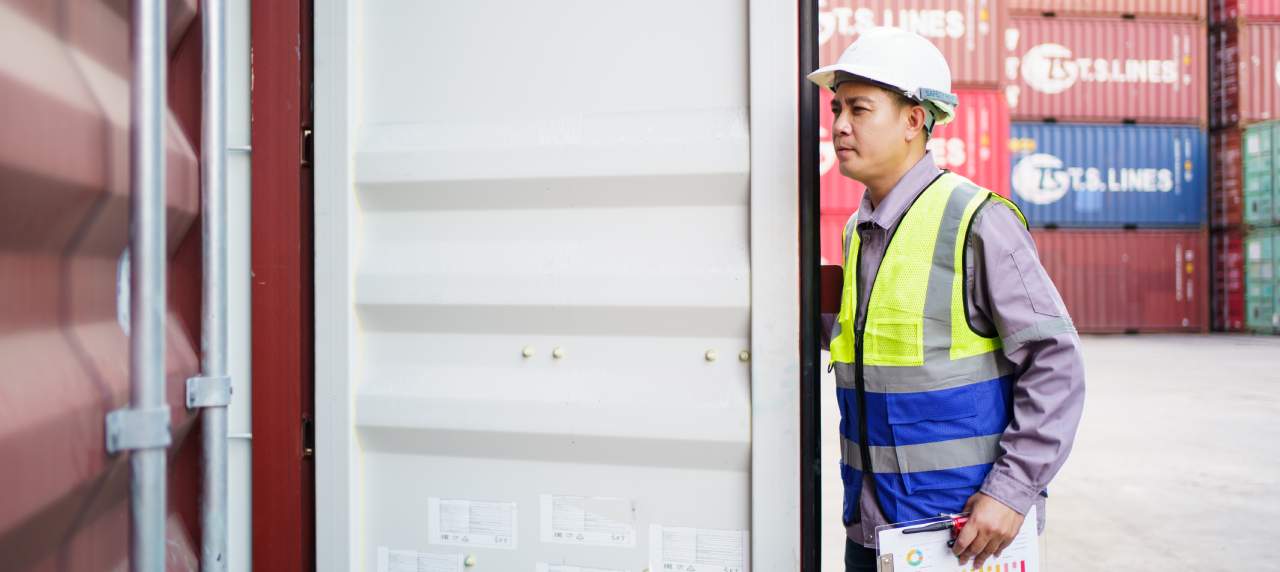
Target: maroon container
1130, 280
1221, 11
1075, 69
1172, 9
831, 227
1228, 281
1245, 75
968, 32
64, 225
1226, 193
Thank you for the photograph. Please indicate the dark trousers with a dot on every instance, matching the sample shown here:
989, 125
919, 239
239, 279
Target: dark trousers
858, 558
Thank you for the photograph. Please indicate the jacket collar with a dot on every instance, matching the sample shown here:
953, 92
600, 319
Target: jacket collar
895, 204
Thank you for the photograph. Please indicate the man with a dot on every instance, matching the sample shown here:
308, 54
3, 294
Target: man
959, 374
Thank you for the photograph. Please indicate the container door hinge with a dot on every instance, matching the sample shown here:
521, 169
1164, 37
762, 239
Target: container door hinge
208, 392
132, 429
308, 438
308, 146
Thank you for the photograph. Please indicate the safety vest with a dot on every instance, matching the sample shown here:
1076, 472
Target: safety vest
927, 394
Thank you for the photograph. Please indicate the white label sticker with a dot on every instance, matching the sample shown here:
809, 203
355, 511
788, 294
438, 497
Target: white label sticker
591, 521
544, 567
471, 523
673, 549
414, 561
1255, 250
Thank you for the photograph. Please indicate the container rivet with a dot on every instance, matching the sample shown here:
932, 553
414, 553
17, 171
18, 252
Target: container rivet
711, 355
527, 351
744, 355
470, 561
557, 353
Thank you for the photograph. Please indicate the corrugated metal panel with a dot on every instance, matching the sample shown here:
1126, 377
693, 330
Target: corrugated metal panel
1130, 280
1226, 188
1074, 69
973, 146
1261, 145
606, 231
1228, 281
1174, 9
64, 99
968, 32
1246, 74
1227, 10
1262, 280
1109, 175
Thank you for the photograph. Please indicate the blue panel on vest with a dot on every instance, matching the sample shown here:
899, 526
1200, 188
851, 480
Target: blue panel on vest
852, 479
847, 399
927, 494
898, 419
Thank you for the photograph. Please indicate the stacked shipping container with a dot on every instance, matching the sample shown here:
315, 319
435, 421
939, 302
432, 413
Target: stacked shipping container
1116, 193
1244, 106
969, 33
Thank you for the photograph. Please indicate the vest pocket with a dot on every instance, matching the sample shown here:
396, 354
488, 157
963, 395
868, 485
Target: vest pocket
894, 342
931, 431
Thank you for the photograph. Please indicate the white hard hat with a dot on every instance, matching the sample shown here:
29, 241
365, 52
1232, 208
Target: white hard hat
901, 61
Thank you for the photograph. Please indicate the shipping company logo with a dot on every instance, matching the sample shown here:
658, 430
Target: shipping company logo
1052, 68
915, 557
933, 24
1043, 179
1278, 73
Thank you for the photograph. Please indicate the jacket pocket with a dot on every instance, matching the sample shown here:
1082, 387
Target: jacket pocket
933, 439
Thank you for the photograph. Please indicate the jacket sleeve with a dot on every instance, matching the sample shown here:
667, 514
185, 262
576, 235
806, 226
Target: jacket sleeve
1011, 290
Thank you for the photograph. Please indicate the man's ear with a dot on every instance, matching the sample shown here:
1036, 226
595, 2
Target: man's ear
916, 120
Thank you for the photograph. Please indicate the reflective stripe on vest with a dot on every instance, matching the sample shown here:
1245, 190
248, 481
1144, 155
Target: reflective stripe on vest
938, 394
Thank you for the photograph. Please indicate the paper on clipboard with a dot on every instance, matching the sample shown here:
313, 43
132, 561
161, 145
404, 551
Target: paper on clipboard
928, 551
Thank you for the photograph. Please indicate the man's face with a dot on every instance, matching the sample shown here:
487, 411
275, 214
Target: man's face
872, 131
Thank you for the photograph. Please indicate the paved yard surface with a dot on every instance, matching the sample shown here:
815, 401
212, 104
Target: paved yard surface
1176, 467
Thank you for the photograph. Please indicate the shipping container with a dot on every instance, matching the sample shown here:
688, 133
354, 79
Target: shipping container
1262, 280
1226, 186
832, 229
1117, 281
1261, 145
968, 32
64, 280
1076, 69
1245, 73
1222, 11
973, 146
1109, 175
497, 350
1170, 9
1228, 310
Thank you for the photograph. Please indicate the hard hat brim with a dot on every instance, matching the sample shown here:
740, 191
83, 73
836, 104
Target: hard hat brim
825, 77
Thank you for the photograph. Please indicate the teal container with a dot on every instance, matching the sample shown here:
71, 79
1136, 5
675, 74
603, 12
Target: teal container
1262, 280
1260, 148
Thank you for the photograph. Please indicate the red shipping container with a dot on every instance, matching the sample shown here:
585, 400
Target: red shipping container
968, 32
1228, 281
1130, 280
1172, 9
1245, 74
975, 145
64, 224
1228, 10
1073, 69
1226, 193
831, 227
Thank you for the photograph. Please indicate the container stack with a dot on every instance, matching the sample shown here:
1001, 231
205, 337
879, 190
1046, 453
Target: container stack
1244, 109
1110, 156
969, 33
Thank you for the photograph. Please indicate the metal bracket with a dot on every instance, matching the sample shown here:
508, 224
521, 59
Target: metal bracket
130, 429
208, 392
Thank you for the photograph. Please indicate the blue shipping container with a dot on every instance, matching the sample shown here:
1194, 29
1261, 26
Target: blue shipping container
1109, 175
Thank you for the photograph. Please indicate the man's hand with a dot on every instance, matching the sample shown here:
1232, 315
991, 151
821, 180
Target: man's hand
990, 530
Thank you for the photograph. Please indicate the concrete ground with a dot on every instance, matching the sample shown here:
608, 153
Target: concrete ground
1176, 465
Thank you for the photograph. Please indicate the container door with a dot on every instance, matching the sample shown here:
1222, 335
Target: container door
534, 287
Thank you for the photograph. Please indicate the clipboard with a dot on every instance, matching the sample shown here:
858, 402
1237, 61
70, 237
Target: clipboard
928, 551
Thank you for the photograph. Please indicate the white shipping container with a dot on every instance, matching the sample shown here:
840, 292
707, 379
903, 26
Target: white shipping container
556, 285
